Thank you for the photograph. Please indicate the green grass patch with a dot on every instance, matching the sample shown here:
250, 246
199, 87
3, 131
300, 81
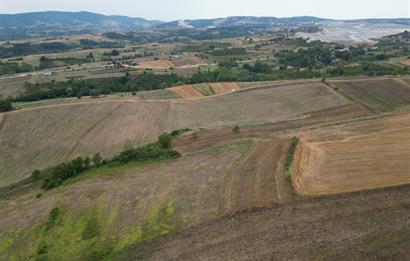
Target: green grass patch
243, 146
294, 141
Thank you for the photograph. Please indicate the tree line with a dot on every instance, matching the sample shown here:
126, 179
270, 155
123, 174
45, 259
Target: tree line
56, 175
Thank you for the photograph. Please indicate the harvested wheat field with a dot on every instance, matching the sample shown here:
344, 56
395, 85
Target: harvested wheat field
40, 137
220, 88
162, 64
353, 156
186, 91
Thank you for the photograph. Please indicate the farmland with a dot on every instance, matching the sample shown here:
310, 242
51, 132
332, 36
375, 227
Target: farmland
351, 157
162, 64
377, 95
67, 130
212, 139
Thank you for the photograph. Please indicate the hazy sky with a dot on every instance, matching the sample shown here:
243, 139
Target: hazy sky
179, 9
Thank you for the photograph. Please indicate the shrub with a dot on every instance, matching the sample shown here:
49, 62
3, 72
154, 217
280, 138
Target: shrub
236, 129
97, 160
92, 229
5, 105
53, 218
291, 154
164, 140
179, 131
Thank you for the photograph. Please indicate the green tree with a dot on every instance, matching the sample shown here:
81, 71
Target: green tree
94, 93
164, 140
97, 159
5, 105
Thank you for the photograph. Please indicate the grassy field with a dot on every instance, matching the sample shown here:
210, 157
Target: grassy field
140, 202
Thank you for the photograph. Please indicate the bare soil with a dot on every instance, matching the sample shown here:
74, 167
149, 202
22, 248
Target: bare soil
162, 64
360, 226
186, 91
219, 88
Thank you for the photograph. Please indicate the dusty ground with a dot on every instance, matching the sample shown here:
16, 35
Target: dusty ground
257, 179
190, 60
361, 226
219, 88
165, 64
186, 91
406, 62
356, 156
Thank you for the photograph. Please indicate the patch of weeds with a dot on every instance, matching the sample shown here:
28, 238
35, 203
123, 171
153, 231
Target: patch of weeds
42, 251
387, 245
92, 229
103, 251
178, 132
243, 146
53, 218
288, 166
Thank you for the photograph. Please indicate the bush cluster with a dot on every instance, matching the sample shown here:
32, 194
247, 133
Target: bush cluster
55, 176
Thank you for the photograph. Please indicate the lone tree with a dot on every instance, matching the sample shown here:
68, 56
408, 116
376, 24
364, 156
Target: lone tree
97, 159
164, 140
5, 105
236, 129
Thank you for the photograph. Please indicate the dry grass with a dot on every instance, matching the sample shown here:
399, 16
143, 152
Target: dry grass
190, 60
162, 64
186, 91
378, 95
406, 62
356, 156
40, 137
220, 88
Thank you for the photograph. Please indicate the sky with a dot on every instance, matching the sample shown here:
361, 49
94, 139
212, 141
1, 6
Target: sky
168, 10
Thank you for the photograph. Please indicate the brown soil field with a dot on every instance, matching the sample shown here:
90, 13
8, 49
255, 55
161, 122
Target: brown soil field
186, 91
406, 62
257, 179
219, 88
370, 225
40, 137
379, 95
191, 60
355, 156
163, 64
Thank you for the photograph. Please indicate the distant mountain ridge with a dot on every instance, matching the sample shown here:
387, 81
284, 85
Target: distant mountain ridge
77, 20
60, 23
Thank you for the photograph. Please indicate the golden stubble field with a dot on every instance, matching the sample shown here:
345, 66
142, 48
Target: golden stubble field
361, 155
